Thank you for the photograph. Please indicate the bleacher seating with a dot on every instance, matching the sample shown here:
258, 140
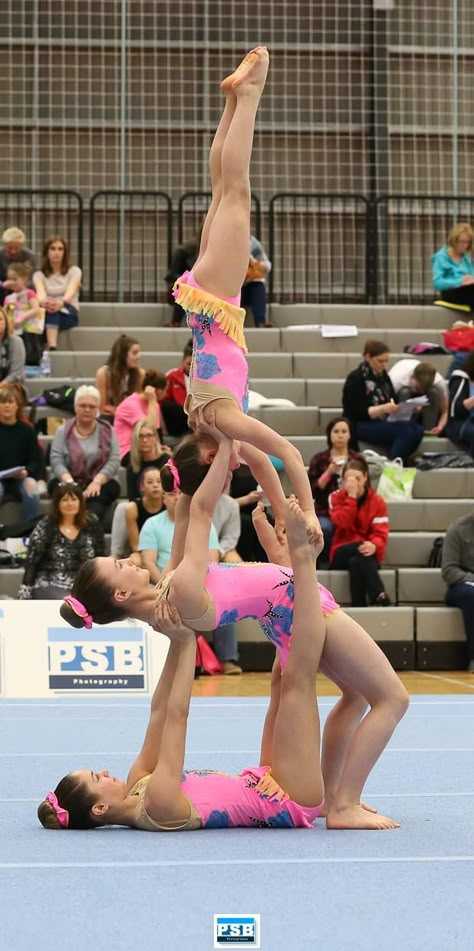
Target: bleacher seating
291, 359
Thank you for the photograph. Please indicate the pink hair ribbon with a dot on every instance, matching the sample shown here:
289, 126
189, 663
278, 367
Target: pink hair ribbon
80, 610
62, 814
176, 480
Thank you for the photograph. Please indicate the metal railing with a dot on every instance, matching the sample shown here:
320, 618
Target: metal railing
193, 207
335, 248
130, 242
318, 248
42, 213
409, 230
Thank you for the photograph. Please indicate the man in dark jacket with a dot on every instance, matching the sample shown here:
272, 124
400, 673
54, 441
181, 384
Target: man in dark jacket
457, 568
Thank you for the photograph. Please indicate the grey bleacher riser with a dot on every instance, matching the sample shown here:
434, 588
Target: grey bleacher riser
309, 445
439, 624
297, 421
430, 515
328, 364
314, 342
363, 315
383, 624
124, 317
420, 586
274, 388
308, 362
10, 581
444, 484
85, 363
440, 639
393, 629
408, 549
161, 338
338, 584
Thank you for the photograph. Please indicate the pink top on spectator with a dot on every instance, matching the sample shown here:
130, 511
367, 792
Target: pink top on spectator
130, 411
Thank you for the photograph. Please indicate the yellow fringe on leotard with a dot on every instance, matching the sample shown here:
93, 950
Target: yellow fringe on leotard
267, 786
229, 317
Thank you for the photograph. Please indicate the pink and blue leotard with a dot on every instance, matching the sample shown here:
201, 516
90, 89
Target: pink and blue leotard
219, 368
220, 801
261, 591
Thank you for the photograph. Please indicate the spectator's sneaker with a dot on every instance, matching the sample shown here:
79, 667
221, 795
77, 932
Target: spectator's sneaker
382, 601
446, 303
231, 668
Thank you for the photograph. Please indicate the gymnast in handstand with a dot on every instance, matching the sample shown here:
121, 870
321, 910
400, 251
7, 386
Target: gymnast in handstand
210, 295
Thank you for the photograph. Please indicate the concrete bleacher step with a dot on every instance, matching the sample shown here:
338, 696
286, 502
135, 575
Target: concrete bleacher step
124, 317
338, 584
82, 363
312, 341
430, 515
309, 445
379, 316
159, 339
420, 587
408, 549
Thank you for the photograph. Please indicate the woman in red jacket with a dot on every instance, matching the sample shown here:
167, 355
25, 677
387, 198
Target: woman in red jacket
361, 531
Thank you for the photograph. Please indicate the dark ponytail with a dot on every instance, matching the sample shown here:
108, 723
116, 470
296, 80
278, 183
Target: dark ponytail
190, 468
96, 595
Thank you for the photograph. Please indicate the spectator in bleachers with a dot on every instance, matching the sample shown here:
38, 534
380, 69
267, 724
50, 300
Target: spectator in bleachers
325, 475
59, 544
14, 250
254, 291
453, 269
460, 427
57, 286
144, 404
369, 400
21, 452
457, 568
121, 376
146, 451
148, 502
12, 352
183, 259
85, 452
24, 312
412, 378
172, 406
156, 538
360, 535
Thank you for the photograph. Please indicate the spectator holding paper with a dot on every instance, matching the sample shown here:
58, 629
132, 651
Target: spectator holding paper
412, 379
369, 400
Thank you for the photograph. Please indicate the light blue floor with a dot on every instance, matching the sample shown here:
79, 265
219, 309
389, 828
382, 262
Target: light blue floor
406, 890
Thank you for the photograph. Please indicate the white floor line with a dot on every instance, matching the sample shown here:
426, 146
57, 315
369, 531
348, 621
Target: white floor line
227, 752
242, 704
200, 863
368, 795
449, 680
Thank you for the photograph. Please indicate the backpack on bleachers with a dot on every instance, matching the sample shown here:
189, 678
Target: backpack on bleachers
436, 553
444, 460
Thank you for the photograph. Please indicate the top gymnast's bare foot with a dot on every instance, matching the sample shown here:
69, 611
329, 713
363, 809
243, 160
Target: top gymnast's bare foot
251, 71
297, 529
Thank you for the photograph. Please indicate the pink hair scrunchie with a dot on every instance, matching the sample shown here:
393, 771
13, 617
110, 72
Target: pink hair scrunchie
80, 610
62, 814
176, 480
